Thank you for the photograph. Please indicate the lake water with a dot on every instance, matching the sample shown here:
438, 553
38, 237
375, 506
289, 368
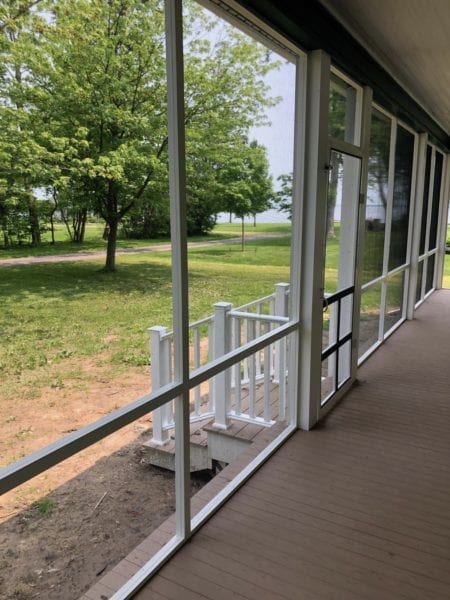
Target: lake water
269, 216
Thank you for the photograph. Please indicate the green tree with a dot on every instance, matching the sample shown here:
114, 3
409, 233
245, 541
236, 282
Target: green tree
21, 155
283, 197
99, 86
244, 184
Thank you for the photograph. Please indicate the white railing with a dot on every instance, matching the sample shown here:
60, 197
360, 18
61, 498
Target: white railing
242, 392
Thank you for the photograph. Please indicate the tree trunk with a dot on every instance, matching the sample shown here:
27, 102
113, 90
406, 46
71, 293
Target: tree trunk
79, 225
254, 220
242, 234
52, 228
110, 264
5, 237
65, 219
230, 218
33, 219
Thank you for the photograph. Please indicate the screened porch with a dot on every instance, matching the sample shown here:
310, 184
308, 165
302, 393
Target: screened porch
342, 490
356, 508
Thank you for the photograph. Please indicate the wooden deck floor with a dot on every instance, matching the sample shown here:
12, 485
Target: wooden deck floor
357, 509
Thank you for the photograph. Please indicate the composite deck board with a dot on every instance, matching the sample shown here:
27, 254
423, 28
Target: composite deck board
358, 508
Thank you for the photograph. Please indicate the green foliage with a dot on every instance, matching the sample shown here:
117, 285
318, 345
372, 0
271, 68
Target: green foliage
84, 117
283, 197
44, 506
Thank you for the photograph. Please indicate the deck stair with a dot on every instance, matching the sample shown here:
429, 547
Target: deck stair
230, 409
209, 446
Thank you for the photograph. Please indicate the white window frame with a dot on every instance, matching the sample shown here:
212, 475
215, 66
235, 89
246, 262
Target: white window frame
424, 258
406, 266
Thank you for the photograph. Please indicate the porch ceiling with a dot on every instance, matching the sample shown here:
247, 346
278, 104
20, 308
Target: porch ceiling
410, 38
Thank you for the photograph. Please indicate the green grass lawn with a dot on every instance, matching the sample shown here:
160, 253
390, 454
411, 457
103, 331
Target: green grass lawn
93, 241
54, 313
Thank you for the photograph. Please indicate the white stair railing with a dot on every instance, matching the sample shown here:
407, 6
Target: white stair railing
242, 392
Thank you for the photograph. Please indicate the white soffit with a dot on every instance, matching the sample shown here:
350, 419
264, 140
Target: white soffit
411, 40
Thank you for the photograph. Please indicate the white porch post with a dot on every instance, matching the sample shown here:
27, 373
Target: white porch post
417, 224
222, 381
313, 236
160, 356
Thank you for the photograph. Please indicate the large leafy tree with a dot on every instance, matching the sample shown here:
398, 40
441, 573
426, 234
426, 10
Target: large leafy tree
96, 89
21, 155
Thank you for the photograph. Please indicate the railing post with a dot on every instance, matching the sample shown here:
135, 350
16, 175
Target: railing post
160, 357
281, 310
222, 381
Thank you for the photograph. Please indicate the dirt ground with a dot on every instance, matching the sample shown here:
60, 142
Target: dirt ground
58, 548
63, 530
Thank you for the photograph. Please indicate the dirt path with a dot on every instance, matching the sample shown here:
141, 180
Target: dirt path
76, 256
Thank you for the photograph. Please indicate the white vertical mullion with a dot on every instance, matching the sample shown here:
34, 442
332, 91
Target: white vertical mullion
442, 237
365, 120
387, 236
409, 240
313, 235
177, 186
429, 192
417, 224
294, 389
430, 199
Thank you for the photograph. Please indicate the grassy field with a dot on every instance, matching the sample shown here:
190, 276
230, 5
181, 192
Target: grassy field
55, 313
93, 241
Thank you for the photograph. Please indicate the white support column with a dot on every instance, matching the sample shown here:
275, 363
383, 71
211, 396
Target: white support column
222, 381
366, 118
177, 189
442, 237
313, 237
417, 224
294, 368
160, 357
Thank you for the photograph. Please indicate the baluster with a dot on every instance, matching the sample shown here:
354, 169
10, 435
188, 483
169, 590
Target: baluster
197, 360
211, 401
257, 334
237, 369
251, 372
282, 380
245, 362
267, 379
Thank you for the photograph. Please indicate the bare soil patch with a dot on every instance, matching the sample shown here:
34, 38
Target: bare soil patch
63, 530
58, 548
